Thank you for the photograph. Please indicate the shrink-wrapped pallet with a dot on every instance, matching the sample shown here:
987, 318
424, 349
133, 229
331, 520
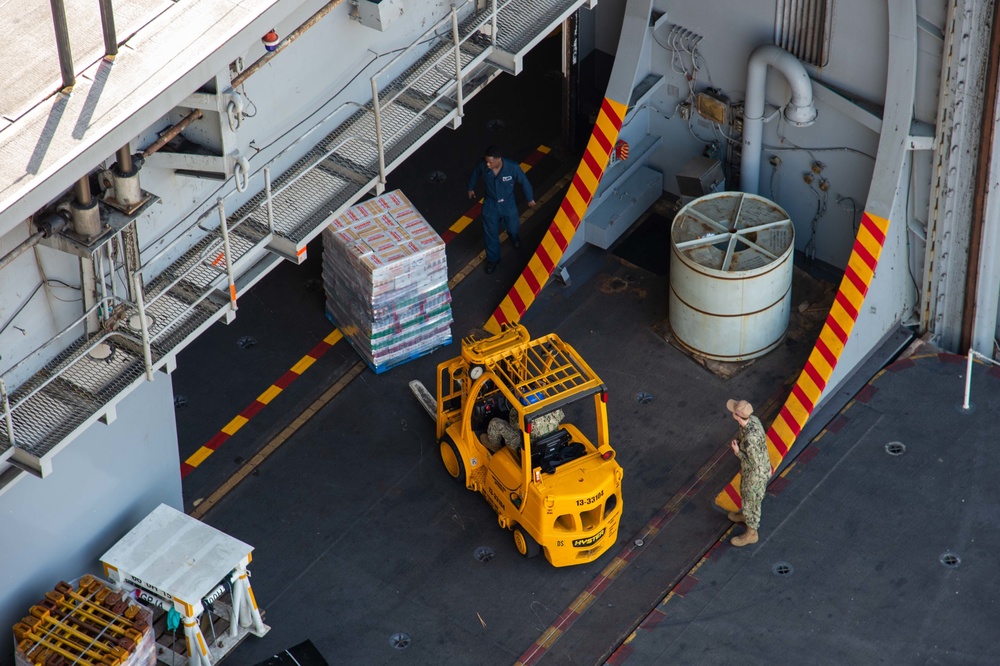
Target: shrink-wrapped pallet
386, 278
85, 621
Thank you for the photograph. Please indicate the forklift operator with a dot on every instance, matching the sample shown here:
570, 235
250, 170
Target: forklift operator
500, 431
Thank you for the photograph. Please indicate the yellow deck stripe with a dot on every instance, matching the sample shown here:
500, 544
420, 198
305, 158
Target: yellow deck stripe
544, 149
270, 394
461, 224
199, 456
233, 426
334, 337
303, 364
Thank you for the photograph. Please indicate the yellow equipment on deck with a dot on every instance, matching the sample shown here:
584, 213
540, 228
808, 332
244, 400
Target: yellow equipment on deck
554, 483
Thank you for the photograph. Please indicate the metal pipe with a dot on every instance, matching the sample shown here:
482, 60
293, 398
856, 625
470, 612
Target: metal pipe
147, 355
62, 44
224, 228
116, 242
6, 412
378, 137
799, 111
267, 189
102, 290
31, 242
263, 60
493, 24
968, 380
124, 160
108, 26
167, 136
81, 189
458, 59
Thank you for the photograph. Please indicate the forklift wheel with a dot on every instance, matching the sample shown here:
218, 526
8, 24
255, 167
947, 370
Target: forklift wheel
452, 460
525, 544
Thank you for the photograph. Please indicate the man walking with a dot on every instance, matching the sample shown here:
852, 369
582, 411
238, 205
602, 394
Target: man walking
750, 446
499, 178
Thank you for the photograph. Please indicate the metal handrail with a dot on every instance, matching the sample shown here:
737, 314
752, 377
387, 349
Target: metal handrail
197, 223
9, 408
966, 405
224, 228
83, 350
458, 41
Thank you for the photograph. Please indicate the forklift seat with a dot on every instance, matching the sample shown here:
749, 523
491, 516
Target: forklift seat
555, 449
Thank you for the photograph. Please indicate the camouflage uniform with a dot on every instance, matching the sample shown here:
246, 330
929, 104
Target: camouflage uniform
500, 432
755, 469
546, 424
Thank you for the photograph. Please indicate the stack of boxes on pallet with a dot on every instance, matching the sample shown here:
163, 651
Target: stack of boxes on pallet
85, 622
386, 278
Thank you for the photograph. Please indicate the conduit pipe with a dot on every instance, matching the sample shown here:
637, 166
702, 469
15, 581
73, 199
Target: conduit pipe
263, 60
23, 247
800, 111
51, 224
167, 136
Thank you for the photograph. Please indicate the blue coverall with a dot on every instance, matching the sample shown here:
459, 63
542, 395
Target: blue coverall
499, 204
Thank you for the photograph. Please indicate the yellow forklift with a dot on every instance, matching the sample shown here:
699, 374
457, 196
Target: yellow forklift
525, 423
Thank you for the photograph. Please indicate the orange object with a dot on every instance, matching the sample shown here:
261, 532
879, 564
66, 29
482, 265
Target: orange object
270, 40
621, 150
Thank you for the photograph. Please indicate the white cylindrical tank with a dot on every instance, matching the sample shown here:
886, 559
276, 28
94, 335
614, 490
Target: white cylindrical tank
731, 275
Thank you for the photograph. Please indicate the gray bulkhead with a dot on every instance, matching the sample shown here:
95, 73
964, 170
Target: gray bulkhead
820, 174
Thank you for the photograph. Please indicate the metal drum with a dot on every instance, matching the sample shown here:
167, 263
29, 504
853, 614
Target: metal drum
731, 275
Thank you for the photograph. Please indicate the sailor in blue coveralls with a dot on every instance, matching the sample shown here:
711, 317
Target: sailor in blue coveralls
498, 202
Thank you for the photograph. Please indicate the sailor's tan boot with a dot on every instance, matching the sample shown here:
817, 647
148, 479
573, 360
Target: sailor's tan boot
736, 516
745, 539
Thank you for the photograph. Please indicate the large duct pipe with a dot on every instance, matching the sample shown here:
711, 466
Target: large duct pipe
800, 111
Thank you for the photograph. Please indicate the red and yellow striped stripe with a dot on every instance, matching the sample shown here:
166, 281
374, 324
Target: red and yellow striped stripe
567, 219
829, 346
240, 420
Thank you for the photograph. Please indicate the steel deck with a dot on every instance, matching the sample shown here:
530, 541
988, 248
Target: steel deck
367, 548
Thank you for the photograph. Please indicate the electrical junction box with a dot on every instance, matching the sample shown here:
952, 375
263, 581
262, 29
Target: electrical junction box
701, 176
712, 106
377, 14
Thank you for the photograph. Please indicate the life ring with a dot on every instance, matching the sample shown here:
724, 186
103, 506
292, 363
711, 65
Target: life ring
241, 174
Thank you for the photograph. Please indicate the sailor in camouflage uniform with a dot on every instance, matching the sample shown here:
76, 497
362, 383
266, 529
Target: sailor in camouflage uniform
750, 446
500, 432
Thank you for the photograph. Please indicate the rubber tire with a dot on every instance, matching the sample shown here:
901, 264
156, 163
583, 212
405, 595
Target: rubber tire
453, 463
525, 543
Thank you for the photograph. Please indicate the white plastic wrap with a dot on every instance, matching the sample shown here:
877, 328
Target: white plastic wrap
386, 279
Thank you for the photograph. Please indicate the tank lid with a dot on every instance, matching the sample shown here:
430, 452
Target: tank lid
732, 232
